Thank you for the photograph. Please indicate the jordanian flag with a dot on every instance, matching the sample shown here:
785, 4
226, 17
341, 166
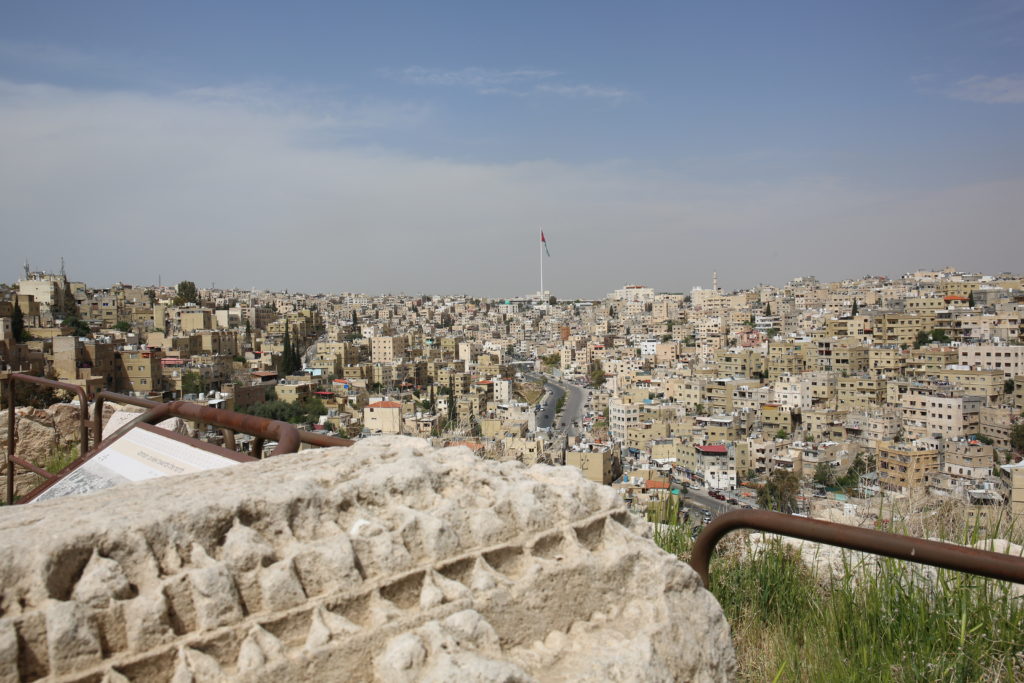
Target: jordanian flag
545, 243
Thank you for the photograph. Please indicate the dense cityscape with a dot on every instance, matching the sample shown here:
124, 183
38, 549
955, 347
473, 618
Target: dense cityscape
813, 393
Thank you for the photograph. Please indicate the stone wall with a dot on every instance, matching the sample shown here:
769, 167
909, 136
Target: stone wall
387, 561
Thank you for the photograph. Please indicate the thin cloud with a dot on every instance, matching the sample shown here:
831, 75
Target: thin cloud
512, 82
472, 77
582, 90
233, 193
989, 89
45, 55
316, 106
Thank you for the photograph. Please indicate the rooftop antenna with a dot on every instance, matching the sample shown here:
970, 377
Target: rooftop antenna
27, 269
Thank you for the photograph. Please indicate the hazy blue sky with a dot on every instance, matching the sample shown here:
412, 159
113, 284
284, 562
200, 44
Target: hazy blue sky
326, 146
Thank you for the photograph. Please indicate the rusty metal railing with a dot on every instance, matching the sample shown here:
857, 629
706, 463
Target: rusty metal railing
287, 436
97, 411
311, 438
261, 428
934, 553
322, 440
12, 459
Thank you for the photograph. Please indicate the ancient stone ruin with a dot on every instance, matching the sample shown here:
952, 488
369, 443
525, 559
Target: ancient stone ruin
386, 561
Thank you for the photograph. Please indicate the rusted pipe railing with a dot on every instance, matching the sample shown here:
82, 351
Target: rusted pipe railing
311, 438
33, 468
322, 440
934, 553
101, 396
83, 425
286, 435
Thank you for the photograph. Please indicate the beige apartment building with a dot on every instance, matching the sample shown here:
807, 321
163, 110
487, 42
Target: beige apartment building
904, 468
823, 424
872, 428
859, 392
949, 415
886, 361
295, 388
384, 417
597, 467
900, 328
140, 371
929, 360
996, 423
1008, 360
192, 319
386, 349
1012, 477
988, 384
968, 459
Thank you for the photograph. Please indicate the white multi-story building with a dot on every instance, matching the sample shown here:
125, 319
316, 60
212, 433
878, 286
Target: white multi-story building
622, 414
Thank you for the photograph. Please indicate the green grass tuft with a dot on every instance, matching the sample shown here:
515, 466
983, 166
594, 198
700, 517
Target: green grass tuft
883, 620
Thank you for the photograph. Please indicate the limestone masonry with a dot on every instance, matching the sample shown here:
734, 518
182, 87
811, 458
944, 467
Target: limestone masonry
387, 561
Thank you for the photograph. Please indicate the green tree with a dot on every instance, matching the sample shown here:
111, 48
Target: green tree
192, 383
767, 309
922, 339
187, 293
940, 336
825, 474
970, 299
858, 467
79, 327
123, 326
780, 492
781, 434
296, 361
285, 365
1017, 438
552, 300
855, 308
18, 324
596, 375
1008, 386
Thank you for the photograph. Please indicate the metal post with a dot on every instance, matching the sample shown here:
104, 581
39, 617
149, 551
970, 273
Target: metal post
229, 438
10, 439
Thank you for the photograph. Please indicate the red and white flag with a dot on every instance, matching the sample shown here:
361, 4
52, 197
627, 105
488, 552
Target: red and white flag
545, 243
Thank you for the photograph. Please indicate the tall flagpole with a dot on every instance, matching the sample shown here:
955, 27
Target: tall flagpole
542, 265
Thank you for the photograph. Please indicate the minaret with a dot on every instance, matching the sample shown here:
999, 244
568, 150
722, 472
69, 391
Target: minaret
714, 281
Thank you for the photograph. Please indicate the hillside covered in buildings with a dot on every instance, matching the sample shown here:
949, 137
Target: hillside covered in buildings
911, 386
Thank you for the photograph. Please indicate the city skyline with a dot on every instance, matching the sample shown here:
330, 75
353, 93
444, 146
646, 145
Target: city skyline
405, 148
